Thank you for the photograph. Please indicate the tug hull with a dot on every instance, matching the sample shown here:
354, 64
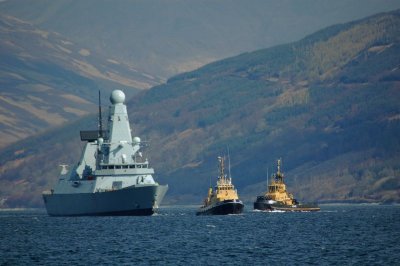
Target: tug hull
266, 205
222, 208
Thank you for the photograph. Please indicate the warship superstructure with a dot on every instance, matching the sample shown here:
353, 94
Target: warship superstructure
224, 198
277, 198
112, 177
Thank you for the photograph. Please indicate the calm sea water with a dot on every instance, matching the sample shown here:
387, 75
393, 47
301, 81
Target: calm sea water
349, 235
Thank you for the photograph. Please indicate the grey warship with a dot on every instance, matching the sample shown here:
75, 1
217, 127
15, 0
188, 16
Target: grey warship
111, 177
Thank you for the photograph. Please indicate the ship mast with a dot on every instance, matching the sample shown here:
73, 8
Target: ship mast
221, 168
229, 164
100, 134
279, 166
279, 174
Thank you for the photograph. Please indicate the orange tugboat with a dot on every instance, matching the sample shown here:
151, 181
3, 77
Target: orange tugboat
224, 198
278, 199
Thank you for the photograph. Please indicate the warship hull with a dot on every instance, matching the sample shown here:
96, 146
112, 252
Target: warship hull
135, 200
222, 208
267, 205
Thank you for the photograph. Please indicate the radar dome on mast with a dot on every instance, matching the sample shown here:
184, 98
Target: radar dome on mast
136, 140
117, 96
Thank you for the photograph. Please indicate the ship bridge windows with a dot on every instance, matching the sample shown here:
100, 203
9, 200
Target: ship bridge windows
130, 166
141, 166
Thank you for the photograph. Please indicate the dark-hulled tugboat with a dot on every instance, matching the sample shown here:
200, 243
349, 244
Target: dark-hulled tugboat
278, 199
224, 198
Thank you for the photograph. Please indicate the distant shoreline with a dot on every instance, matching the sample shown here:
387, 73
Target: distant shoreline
248, 204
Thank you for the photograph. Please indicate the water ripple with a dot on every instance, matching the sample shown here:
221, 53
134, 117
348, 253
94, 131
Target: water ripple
361, 235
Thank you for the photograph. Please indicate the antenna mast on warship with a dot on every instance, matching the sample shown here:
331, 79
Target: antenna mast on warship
100, 119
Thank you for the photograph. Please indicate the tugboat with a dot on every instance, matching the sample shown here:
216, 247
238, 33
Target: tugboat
224, 198
112, 177
278, 199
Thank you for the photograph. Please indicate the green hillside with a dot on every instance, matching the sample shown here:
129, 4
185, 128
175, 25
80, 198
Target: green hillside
327, 104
